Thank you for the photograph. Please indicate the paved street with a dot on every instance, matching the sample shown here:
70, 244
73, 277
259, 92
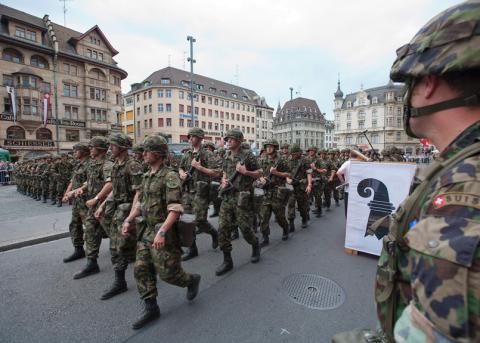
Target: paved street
40, 302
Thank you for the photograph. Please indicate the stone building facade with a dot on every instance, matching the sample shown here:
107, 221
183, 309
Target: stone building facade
162, 103
300, 121
73, 73
376, 111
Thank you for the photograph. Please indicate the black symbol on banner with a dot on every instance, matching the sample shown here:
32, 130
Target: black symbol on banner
380, 205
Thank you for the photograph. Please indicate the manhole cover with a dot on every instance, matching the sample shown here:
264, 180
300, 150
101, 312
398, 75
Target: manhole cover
314, 291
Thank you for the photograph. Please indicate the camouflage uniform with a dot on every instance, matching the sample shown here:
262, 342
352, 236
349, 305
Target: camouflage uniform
318, 181
276, 194
299, 169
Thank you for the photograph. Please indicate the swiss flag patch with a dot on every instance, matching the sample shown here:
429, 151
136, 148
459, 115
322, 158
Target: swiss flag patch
439, 201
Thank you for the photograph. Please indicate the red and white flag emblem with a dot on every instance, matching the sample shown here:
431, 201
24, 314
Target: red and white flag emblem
439, 201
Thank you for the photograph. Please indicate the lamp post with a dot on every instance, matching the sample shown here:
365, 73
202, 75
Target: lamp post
192, 61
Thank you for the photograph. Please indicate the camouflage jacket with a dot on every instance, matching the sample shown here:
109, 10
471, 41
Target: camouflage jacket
299, 168
160, 192
206, 159
242, 182
282, 166
439, 262
126, 179
98, 173
320, 164
80, 173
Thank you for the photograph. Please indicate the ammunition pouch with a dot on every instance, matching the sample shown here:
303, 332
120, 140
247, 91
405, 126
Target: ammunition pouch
244, 200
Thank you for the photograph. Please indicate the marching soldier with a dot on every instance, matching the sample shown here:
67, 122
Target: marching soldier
157, 209
79, 210
240, 169
301, 180
196, 172
138, 155
318, 179
275, 171
97, 187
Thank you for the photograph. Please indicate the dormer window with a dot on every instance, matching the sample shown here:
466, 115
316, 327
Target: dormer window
165, 81
21, 32
199, 87
235, 95
349, 104
222, 92
374, 100
244, 98
213, 90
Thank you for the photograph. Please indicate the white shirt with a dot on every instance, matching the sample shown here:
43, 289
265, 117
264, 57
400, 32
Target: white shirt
344, 170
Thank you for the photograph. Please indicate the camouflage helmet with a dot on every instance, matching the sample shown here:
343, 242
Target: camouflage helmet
285, 146
164, 135
271, 142
312, 148
235, 134
156, 143
209, 144
137, 148
295, 148
81, 147
99, 142
120, 139
449, 42
196, 132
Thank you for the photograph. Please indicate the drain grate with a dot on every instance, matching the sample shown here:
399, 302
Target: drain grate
314, 291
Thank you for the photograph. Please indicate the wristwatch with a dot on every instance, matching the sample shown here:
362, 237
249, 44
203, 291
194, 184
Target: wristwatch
96, 197
162, 233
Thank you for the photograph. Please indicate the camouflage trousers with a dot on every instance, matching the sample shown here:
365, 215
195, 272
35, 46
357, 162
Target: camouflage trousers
61, 187
122, 248
200, 203
298, 198
79, 213
165, 262
272, 203
327, 194
317, 191
236, 210
93, 234
45, 187
52, 188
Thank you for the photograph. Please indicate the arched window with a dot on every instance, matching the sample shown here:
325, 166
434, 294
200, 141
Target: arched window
97, 74
15, 132
39, 62
12, 55
44, 134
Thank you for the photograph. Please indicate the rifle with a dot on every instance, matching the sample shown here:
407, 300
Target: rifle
265, 186
186, 182
296, 182
230, 188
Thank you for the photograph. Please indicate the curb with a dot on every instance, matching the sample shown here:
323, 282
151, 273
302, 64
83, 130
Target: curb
33, 241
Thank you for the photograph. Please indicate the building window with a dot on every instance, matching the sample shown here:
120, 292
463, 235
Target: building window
181, 122
168, 107
209, 125
169, 122
116, 80
375, 139
165, 81
98, 114
150, 94
72, 135
39, 62
98, 94
361, 124
44, 134
7, 80
160, 122
349, 116
70, 69
150, 108
181, 108
349, 126
71, 112
70, 90
399, 122
145, 124
97, 74
374, 123
160, 93
398, 136
15, 132
209, 100
160, 107
168, 93
150, 122
145, 109
12, 55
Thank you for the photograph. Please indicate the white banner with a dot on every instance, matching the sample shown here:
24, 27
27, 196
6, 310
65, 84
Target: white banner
11, 94
375, 190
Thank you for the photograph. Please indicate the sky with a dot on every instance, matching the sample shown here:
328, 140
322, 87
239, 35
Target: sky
264, 45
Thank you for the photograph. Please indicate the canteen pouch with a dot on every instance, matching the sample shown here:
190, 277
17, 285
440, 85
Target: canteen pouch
203, 189
244, 200
186, 233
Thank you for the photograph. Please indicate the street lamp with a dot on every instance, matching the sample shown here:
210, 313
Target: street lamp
192, 61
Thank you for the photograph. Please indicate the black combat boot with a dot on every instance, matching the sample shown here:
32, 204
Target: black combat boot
90, 269
192, 289
255, 253
285, 233
265, 241
304, 223
77, 254
214, 239
38, 197
151, 311
119, 286
291, 223
191, 252
54, 201
319, 212
59, 203
44, 199
235, 234
226, 266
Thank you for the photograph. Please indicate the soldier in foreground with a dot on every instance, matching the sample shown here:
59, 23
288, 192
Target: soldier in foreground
158, 245
240, 169
428, 279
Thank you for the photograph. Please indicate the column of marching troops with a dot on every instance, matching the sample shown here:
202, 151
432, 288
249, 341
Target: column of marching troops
136, 201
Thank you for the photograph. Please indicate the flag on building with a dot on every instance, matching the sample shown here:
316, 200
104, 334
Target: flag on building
46, 107
11, 94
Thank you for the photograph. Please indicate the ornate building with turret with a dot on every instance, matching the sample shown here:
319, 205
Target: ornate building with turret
376, 111
59, 86
300, 121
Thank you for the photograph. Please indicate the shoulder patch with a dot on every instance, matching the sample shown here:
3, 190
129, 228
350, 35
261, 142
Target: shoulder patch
459, 199
172, 180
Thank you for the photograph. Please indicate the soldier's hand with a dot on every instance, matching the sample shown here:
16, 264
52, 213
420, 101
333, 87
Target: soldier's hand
263, 180
312, 165
224, 183
90, 203
289, 180
65, 198
158, 242
182, 174
273, 170
308, 189
196, 164
99, 213
79, 192
241, 168
125, 228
